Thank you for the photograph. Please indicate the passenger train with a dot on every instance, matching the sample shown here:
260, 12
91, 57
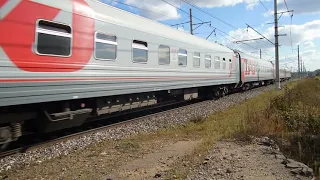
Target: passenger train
65, 61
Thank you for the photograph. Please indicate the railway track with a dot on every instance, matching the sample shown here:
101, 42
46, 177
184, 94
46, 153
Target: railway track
26, 144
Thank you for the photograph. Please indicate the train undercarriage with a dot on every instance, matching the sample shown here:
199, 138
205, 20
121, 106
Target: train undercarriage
47, 117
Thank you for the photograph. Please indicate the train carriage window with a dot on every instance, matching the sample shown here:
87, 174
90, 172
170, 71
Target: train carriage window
139, 51
105, 46
196, 59
230, 64
207, 61
53, 39
164, 54
224, 63
183, 57
217, 62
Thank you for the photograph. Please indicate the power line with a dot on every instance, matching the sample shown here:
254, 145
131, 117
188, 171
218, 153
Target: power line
260, 34
180, 23
291, 31
264, 6
248, 40
235, 39
142, 9
206, 12
186, 13
215, 17
162, 14
286, 4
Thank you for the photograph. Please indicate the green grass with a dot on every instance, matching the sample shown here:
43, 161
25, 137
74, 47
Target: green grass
299, 107
274, 113
295, 109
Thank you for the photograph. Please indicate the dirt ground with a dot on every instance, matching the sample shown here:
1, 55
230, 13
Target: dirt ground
127, 160
238, 160
152, 164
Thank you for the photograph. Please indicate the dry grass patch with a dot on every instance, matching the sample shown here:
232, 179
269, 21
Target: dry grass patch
250, 118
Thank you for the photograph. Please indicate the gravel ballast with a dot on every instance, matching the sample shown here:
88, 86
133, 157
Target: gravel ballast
150, 124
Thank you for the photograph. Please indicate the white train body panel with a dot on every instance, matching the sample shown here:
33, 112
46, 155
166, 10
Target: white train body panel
28, 77
255, 69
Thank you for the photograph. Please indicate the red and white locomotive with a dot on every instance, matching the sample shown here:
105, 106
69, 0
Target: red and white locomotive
64, 61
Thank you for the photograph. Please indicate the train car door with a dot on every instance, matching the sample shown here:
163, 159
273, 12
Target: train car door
240, 69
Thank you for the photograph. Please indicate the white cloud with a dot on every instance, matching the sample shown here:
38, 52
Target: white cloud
298, 6
300, 34
157, 10
308, 45
303, 34
164, 11
301, 6
310, 58
217, 3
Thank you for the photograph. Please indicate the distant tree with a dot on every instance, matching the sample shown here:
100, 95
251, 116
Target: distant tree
317, 72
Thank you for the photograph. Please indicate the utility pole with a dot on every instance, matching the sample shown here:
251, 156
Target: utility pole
301, 67
191, 28
298, 62
304, 69
276, 44
260, 53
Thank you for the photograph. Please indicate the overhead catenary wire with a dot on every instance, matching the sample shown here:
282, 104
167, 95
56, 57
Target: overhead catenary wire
129, 5
264, 6
187, 14
153, 11
260, 34
291, 30
183, 20
208, 13
215, 17
210, 26
291, 16
285, 2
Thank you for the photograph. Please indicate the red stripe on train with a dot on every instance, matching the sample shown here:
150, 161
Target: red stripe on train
105, 79
17, 36
2, 2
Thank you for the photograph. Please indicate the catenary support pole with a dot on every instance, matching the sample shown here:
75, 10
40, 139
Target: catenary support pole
191, 28
260, 54
276, 44
301, 67
298, 62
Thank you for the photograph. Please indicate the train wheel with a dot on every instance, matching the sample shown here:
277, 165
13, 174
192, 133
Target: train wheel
4, 147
